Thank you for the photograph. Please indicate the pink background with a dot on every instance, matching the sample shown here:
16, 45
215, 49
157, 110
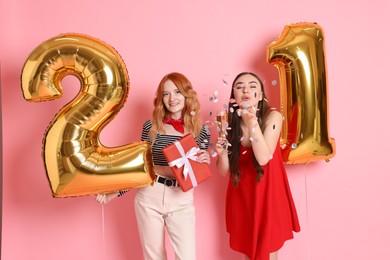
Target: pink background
343, 205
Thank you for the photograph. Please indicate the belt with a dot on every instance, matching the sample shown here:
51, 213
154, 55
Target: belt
166, 181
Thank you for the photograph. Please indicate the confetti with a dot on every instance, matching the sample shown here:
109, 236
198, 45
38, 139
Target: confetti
193, 113
274, 82
213, 153
224, 82
294, 145
242, 139
244, 152
231, 110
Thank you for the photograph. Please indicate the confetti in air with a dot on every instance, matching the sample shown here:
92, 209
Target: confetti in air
192, 113
294, 145
214, 97
274, 82
222, 126
224, 82
244, 152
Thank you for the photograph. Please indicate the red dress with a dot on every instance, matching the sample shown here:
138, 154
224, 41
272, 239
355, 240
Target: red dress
260, 216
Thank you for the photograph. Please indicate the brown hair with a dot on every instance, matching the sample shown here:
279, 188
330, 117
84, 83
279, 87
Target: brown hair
190, 113
234, 137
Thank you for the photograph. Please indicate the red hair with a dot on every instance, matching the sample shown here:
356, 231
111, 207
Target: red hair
190, 113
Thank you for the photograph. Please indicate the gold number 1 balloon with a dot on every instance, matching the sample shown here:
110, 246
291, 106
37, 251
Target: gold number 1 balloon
76, 163
299, 56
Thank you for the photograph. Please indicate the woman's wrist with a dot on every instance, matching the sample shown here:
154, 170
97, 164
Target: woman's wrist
223, 152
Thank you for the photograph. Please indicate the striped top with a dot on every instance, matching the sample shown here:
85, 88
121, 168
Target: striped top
163, 140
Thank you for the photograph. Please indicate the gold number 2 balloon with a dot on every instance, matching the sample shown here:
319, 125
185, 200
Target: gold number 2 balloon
299, 56
76, 163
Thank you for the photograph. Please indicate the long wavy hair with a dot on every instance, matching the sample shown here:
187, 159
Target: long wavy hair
235, 134
190, 113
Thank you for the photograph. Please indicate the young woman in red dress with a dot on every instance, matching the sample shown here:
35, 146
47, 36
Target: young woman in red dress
260, 211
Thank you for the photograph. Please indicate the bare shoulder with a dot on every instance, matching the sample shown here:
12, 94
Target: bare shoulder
274, 117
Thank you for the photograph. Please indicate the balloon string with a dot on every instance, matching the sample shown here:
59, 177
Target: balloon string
104, 235
307, 215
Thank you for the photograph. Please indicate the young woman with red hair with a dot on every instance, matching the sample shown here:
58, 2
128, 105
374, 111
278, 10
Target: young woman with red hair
164, 206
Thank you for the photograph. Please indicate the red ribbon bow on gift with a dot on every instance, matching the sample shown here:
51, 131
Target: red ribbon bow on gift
178, 124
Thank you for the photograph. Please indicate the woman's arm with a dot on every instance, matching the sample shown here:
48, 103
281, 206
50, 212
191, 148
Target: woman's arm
264, 143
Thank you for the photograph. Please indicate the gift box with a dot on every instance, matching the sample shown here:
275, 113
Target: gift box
181, 157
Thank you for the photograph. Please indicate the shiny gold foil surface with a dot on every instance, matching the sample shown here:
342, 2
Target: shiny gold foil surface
76, 163
299, 56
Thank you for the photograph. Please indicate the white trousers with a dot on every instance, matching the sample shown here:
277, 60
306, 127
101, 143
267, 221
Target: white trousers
159, 208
